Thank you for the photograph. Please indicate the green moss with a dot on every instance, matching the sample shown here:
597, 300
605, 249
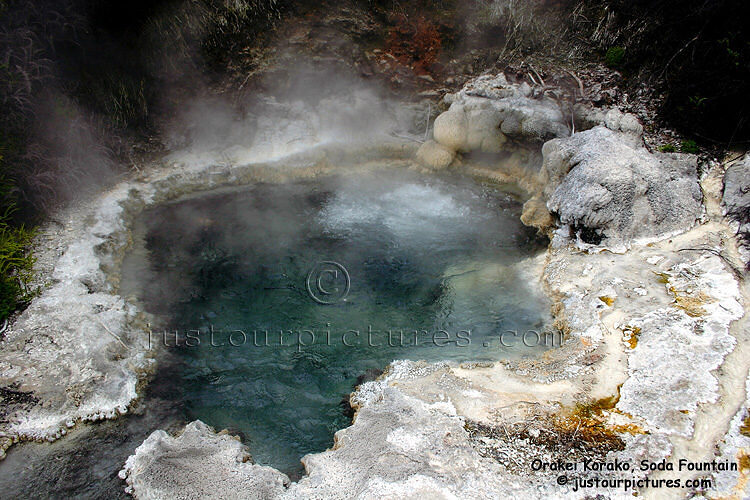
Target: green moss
667, 148
689, 146
614, 56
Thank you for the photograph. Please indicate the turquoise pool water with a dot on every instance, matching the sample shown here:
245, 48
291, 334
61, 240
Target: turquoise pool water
274, 299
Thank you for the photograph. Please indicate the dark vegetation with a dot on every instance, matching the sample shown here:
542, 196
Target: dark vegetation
415, 42
87, 86
15, 260
695, 52
81, 87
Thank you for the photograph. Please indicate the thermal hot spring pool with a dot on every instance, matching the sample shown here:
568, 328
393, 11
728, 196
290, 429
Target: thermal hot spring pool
274, 299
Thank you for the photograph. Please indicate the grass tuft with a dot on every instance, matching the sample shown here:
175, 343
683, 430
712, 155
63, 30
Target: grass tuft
16, 260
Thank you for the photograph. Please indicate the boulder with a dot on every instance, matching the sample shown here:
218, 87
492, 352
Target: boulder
451, 129
484, 130
609, 189
488, 110
435, 156
588, 117
623, 122
534, 120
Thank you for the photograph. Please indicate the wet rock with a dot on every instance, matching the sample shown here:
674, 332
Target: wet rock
369, 375
535, 214
601, 182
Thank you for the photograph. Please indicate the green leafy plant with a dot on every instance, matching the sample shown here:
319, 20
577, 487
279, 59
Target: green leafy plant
697, 101
689, 146
733, 55
667, 148
16, 260
614, 56
15, 268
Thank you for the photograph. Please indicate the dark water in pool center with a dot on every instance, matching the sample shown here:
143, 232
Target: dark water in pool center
433, 255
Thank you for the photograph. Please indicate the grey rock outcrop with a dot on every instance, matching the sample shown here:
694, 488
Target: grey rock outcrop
737, 186
606, 186
489, 110
614, 119
736, 201
601, 182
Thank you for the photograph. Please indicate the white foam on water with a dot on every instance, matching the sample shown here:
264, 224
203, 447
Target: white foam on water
410, 210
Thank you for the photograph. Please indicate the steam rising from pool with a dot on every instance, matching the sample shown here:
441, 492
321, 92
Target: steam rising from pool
434, 268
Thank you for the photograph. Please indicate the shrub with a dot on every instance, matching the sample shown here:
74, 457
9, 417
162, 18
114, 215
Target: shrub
695, 53
614, 56
415, 42
667, 148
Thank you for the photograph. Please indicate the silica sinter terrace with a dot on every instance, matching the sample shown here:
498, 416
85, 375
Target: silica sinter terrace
277, 297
